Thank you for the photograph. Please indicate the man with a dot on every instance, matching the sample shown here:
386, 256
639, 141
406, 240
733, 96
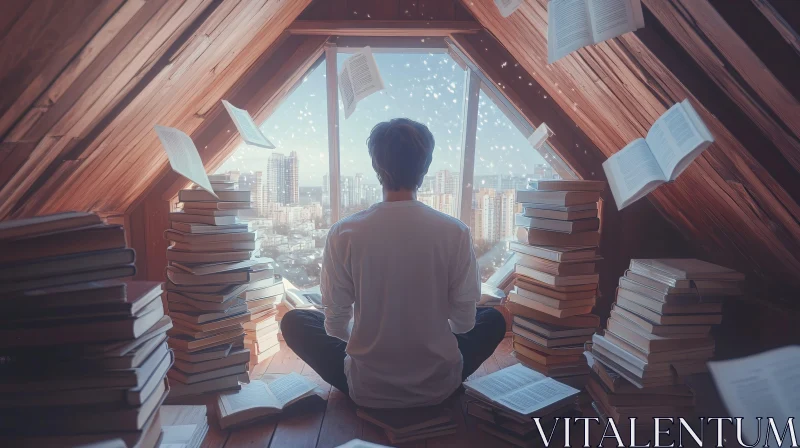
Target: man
409, 274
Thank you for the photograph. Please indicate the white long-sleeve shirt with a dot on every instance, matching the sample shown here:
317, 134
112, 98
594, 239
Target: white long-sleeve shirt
410, 275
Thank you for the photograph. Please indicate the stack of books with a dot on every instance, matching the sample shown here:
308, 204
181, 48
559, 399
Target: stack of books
210, 267
555, 283
261, 332
506, 402
657, 334
411, 424
83, 354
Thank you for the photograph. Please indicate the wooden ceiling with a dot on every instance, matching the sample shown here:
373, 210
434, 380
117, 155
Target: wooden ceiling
84, 81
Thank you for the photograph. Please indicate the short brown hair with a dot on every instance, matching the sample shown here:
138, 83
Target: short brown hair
401, 151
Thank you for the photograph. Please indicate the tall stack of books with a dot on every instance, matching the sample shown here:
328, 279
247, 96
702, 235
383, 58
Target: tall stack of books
83, 354
210, 267
261, 332
507, 400
555, 284
658, 333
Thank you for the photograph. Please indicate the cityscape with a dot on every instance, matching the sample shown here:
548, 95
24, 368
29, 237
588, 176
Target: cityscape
292, 221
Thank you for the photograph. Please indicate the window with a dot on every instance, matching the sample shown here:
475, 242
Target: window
291, 204
293, 190
504, 163
425, 87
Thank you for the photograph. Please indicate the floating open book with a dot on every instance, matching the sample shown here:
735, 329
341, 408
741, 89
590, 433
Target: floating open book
359, 79
677, 138
573, 24
261, 399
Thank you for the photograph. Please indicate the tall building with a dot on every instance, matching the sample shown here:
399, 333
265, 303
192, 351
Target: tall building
358, 190
257, 194
283, 180
493, 218
326, 191
446, 182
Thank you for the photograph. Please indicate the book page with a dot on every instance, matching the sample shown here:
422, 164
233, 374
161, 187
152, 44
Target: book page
289, 388
537, 396
359, 79
539, 136
763, 385
507, 7
247, 128
632, 173
500, 383
675, 141
253, 395
183, 156
612, 18
568, 28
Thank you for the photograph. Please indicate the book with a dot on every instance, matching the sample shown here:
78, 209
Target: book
247, 128
671, 308
558, 198
566, 350
551, 302
649, 343
358, 79
206, 257
557, 280
84, 239
407, 420
226, 383
668, 319
658, 330
551, 331
261, 399
219, 246
583, 291
194, 228
183, 237
547, 360
555, 225
188, 207
180, 277
539, 237
177, 375
556, 254
548, 342
221, 196
66, 264
555, 312
584, 320
758, 385
46, 224
686, 269
214, 268
81, 294
673, 142
521, 390
562, 215
567, 185
574, 25
202, 219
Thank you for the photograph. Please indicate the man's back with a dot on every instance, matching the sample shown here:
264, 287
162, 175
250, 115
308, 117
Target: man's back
408, 269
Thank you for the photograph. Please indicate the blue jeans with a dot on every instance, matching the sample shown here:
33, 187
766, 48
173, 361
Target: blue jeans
304, 332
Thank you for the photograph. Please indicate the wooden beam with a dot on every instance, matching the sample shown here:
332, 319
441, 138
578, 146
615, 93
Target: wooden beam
383, 44
396, 28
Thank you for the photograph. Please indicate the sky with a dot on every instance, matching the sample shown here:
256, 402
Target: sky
428, 88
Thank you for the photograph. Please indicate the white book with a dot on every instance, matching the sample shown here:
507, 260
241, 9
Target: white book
259, 399
359, 79
574, 24
762, 385
677, 138
507, 7
247, 128
520, 389
540, 135
183, 156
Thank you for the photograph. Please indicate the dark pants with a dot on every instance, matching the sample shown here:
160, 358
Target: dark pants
304, 333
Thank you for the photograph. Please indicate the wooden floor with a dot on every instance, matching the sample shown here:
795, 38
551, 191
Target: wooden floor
330, 423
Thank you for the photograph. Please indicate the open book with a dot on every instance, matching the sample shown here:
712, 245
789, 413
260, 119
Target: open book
540, 135
762, 385
573, 24
260, 399
521, 390
183, 156
677, 138
359, 79
247, 128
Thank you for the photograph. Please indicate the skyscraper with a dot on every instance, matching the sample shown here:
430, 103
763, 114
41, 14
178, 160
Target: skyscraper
446, 182
282, 186
257, 194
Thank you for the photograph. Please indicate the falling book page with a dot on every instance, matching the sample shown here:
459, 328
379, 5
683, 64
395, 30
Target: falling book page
677, 138
574, 24
183, 156
539, 136
507, 7
247, 127
762, 385
359, 79
521, 389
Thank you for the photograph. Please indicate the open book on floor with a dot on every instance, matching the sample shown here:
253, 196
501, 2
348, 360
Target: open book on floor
677, 138
261, 399
575, 24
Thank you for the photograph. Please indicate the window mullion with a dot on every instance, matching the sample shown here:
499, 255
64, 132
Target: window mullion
332, 88
469, 135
